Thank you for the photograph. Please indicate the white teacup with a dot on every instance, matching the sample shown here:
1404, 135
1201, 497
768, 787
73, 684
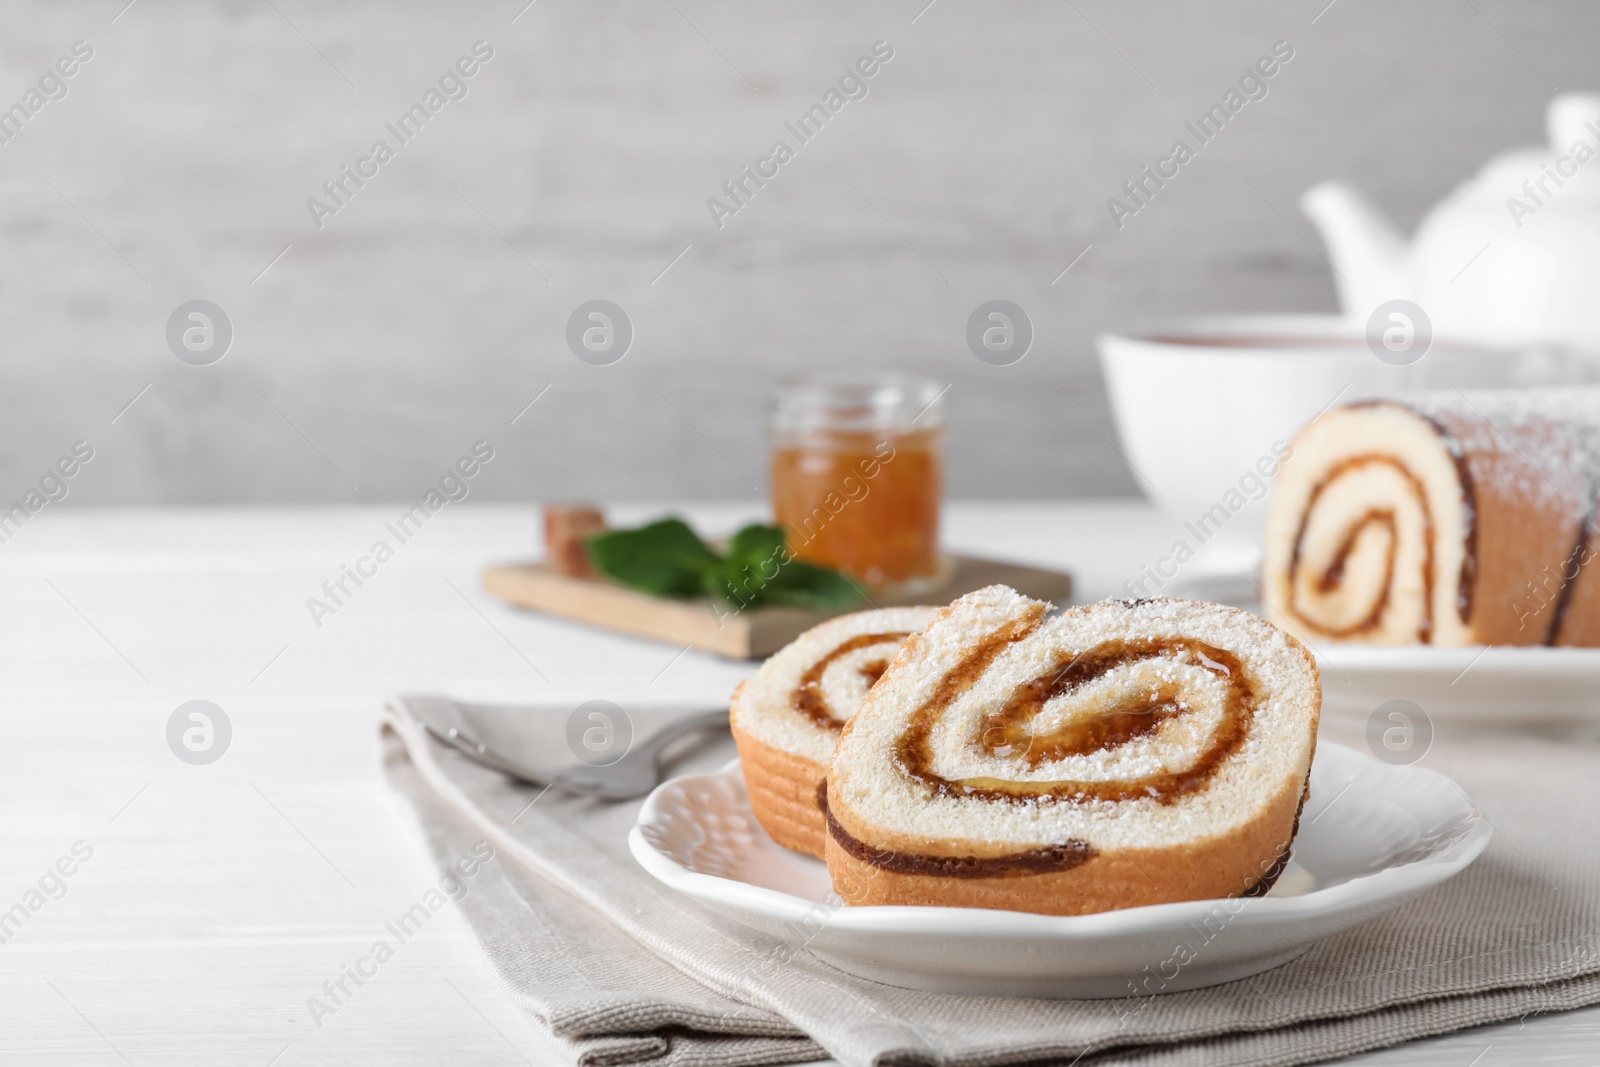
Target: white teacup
1206, 408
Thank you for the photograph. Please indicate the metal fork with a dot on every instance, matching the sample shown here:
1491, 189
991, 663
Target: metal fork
634, 775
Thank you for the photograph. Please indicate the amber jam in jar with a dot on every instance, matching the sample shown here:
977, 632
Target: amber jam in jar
858, 478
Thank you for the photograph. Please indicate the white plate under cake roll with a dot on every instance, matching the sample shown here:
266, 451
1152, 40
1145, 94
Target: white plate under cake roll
786, 719
1448, 518
1120, 754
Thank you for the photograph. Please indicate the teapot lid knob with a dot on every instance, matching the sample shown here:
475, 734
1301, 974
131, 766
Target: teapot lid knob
1573, 117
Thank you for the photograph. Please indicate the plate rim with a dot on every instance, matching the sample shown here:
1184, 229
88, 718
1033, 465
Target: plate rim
1390, 884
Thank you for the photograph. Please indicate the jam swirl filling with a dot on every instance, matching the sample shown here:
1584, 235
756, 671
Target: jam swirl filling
809, 699
1007, 732
1331, 577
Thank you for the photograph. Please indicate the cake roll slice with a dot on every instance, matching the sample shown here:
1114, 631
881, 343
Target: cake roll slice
1121, 754
786, 719
1450, 518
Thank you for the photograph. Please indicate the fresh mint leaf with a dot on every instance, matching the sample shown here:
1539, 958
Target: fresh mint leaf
723, 583
664, 558
754, 554
756, 546
806, 585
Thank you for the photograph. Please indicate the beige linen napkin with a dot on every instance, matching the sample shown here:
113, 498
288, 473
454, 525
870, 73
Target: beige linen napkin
625, 971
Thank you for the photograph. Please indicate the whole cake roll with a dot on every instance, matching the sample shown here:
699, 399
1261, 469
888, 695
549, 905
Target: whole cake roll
1120, 754
1450, 518
786, 719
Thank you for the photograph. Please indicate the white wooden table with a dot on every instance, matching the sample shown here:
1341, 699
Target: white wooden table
219, 898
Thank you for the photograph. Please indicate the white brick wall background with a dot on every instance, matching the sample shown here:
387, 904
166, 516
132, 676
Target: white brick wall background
411, 325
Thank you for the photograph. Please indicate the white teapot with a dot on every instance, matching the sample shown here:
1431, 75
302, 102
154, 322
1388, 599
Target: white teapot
1510, 259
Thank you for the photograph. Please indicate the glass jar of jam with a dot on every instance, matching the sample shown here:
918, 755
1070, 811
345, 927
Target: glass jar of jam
858, 477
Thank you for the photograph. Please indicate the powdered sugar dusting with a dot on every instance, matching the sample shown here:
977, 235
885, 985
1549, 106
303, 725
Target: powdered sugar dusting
1536, 448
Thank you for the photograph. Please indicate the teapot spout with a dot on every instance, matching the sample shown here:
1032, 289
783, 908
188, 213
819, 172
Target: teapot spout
1369, 256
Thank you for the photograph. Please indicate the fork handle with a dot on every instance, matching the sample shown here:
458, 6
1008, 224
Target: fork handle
488, 757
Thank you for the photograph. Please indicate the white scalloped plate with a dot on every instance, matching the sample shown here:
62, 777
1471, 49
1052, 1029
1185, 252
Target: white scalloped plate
1498, 684
1371, 837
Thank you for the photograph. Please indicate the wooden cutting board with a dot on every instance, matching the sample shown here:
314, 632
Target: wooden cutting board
749, 634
